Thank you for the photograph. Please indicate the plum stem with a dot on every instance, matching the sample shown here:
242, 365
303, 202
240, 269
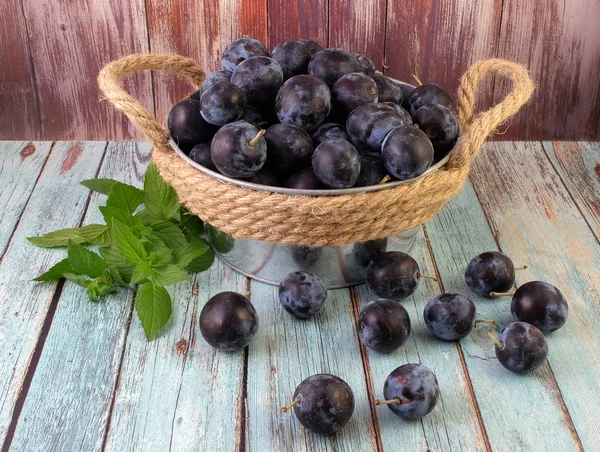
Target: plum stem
501, 294
394, 401
493, 322
254, 140
247, 294
285, 409
420, 275
522, 267
416, 126
385, 179
379, 72
498, 342
419, 82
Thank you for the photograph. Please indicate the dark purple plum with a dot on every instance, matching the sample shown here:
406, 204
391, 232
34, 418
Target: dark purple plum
383, 325
540, 304
201, 155
490, 272
428, 94
406, 152
305, 256
323, 403
393, 275
328, 130
401, 112
289, 148
336, 163
217, 76
241, 49
312, 47
222, 103
366, 65
372, 171
252, 115
187, 126
302, 294
369, 124
441, 126
331, 64
238, 149
521, 347
264, 177
450, 316
411, 391
353, 90
228, 321
259, 78
368, 251
388, 90
305, 179
303, 101
406, 92
293, 57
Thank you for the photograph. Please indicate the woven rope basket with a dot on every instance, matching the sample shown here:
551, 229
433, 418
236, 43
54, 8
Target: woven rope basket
316, 220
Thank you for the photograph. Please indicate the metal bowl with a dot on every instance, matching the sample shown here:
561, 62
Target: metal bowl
337, 266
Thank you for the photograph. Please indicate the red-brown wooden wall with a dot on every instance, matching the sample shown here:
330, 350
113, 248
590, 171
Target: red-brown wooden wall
50, 53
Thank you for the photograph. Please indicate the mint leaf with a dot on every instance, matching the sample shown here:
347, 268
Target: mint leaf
153, 307
159, 197
124, 217
102, 285
57, 238
168, 233
144, 215
125, 197
100, 185
121, 269
220, 240
167, 275
203, 262
80, 280
129, 245
85, 262
161, 256
141, 272
190, 222
183, 255
95, 234
55, 272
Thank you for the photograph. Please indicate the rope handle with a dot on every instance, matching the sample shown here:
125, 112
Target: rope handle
109, 81
478, 128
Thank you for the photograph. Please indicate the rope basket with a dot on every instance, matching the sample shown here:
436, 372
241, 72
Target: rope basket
316, 220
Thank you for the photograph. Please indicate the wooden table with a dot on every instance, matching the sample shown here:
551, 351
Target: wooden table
79, 376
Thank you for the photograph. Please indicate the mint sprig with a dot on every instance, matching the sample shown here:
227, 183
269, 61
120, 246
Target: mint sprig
148, 240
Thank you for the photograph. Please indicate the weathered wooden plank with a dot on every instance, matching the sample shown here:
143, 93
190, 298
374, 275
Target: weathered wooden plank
304, 19
20, 166
69, 46
561, 48
199, 30
439, 40
359, 26
286, 351
455, 424
19, 106
68, 402
57, 202
578, 164
178, 393
457, 234
535, 221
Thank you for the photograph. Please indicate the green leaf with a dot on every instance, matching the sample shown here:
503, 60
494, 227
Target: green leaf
159, 197
141, 272
167, 275
168, 233
129, 245
183, 255
103, 285
80, 280
203, 262
95, 234
121, 269
144, 215
57, 238
124, 217
153, 307
55, 272
161, 256
100, 185
190, 222
220, 240
84, 261
125, 197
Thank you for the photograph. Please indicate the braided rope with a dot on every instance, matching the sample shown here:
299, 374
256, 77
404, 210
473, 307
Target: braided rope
316, 220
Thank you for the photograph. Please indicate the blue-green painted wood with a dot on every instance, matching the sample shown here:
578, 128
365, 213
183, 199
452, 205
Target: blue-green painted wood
286, 351
68, 404
517, 410
178, 393
455, 422
58, 201
535, 221
20, 166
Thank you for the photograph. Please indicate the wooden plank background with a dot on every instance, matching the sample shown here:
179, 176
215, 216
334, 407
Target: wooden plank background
51, 53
